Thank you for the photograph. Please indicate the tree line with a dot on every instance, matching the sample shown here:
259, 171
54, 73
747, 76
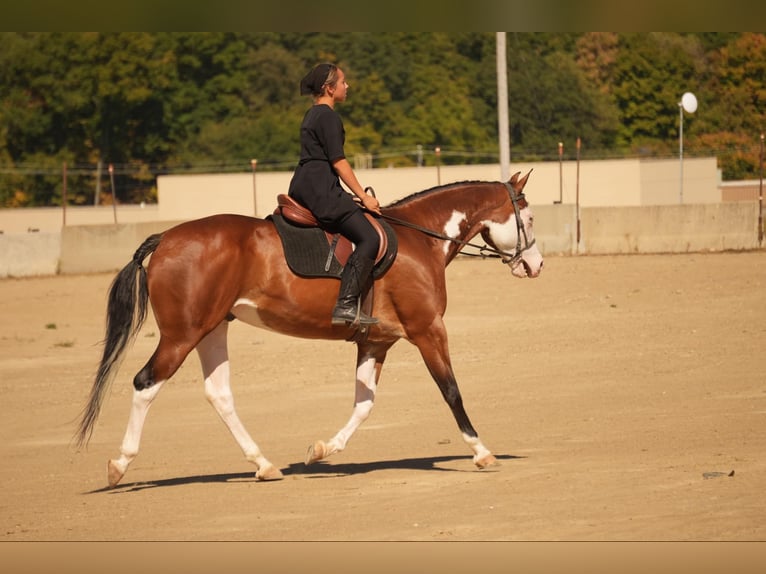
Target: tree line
153, 103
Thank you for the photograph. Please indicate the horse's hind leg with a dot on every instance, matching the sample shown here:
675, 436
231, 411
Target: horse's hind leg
214, 357
368, 365
146, 385
434, 350
142, 400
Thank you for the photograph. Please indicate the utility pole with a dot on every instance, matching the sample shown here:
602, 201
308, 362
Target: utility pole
502, 108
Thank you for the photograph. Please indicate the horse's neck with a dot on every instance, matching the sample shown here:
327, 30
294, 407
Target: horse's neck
453, 210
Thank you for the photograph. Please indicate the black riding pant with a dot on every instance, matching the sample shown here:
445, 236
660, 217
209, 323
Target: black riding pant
361, 233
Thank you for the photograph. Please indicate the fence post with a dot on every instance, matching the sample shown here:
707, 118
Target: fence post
114, 196
760, 199
64, 192
253, 164
561, 173
577, 194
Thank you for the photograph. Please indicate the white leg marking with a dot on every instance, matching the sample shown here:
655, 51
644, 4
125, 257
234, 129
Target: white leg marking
479, 450
364, 399
142, 400
214, 358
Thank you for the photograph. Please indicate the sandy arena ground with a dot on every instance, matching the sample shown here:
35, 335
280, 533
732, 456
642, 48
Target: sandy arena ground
624, 396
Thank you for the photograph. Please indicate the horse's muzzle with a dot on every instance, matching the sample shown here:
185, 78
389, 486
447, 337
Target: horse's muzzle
523, 269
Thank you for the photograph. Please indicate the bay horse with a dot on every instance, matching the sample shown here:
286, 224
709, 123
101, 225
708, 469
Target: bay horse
204, 273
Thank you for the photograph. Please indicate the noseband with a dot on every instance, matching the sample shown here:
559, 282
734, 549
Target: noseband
511, 259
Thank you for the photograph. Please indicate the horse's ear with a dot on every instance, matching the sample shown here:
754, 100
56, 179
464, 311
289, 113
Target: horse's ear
524, 179
514, 177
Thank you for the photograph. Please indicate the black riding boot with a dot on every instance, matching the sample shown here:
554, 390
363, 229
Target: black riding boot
353, 279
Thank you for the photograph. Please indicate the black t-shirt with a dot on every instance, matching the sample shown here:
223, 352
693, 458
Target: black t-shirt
322, 135
315, 183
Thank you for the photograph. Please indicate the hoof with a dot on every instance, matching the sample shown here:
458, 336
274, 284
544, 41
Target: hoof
270, 472
487, 461
316, 452
113, 473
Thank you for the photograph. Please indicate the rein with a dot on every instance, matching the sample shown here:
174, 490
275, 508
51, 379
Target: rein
507, 258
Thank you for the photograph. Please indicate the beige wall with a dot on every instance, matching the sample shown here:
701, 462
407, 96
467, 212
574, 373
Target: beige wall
51, 219
630, 229
98, 248
750, 190
660, 182
29, 254
669, 228
602, 183
626, 206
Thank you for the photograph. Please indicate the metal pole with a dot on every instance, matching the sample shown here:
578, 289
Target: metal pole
97, 194
561, 172
64, 192
502, 108
114, 197
253, 163
577, 193
438, 151
681, 151
760, 199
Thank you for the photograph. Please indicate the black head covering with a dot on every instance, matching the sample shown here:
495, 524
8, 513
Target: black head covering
313, 81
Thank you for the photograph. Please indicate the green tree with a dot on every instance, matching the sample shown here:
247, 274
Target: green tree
553, 101
736, 105
652, 71
154, 102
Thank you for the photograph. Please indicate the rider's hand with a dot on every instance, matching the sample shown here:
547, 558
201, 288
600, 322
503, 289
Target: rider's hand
371, 203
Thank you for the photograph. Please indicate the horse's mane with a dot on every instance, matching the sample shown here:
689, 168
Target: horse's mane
431, 190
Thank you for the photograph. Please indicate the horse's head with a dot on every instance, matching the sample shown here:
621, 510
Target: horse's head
514, 234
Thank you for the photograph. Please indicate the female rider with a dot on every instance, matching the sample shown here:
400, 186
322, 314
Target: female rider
316, 185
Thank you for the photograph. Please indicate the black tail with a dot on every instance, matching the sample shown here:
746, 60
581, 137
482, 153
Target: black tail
126, 312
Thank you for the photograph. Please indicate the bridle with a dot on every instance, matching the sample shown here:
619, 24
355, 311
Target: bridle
511, 259
520, 229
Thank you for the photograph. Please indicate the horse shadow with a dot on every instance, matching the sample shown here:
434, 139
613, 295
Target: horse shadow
317, 470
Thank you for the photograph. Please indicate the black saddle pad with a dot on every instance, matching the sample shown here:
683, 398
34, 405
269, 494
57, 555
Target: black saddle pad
307, 250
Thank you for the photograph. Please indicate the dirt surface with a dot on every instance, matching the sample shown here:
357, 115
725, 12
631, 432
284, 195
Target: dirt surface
624, 397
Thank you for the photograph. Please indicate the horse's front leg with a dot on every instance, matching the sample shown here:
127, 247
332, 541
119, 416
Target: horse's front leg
368, 365
434, 350
214, 357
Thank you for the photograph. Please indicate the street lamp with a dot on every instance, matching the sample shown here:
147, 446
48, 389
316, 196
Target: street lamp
689, 104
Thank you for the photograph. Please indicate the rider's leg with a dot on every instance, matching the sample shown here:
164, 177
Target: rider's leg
357, 272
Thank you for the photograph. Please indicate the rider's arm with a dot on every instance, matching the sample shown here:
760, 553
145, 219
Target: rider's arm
347, 175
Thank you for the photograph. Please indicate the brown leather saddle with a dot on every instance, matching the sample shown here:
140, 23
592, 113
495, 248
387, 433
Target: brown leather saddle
341, 246
312, 251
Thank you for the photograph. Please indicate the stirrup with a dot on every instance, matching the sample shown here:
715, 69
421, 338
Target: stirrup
352, 315
345, 317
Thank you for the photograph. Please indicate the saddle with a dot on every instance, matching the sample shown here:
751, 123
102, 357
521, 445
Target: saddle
313, 251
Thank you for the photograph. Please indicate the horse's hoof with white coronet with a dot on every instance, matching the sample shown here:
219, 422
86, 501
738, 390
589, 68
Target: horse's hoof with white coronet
113, 473
487, 461
270, 472
317, 451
